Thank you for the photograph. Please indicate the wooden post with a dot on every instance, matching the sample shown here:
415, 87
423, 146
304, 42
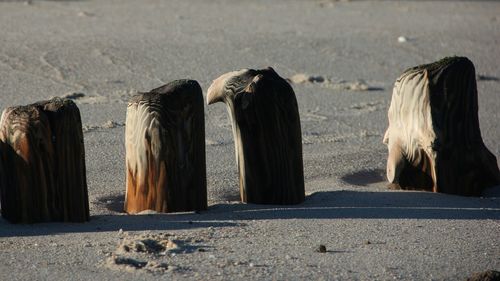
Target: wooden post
42, 170
433, 137
165, 149
267, 134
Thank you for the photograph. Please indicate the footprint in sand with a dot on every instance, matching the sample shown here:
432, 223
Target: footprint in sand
366, 107
110, 124
313, 116
120, 96
335, 84
150, 252
317, 138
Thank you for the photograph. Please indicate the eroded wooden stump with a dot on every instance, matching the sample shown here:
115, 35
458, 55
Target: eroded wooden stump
165, 149
433, 138
267, 134
42, 171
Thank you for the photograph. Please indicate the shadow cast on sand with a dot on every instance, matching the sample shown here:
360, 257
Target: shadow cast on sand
320, 205
364, 177
106, 223
113, 202
372, 205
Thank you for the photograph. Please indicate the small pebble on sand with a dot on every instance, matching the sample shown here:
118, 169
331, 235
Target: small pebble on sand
321, 249
85, 14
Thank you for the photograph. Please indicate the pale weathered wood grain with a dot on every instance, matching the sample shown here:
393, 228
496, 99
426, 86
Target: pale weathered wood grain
434, 139
267, 134
165, 149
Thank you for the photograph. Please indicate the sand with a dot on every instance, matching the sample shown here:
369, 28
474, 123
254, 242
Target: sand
346, 57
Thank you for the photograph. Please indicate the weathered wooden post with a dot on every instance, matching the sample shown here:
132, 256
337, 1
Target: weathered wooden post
165, 149
43, 176
267, 134
433, 137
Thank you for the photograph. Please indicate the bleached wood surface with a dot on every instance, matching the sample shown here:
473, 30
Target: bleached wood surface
165, 149
434, 139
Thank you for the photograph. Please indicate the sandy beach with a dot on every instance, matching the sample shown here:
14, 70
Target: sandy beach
342, 58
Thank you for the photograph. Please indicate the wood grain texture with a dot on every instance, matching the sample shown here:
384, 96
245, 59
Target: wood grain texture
42, 164
165, 149
267, 134
433, 138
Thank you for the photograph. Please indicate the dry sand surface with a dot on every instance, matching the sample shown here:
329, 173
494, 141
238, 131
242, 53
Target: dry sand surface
342, 57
